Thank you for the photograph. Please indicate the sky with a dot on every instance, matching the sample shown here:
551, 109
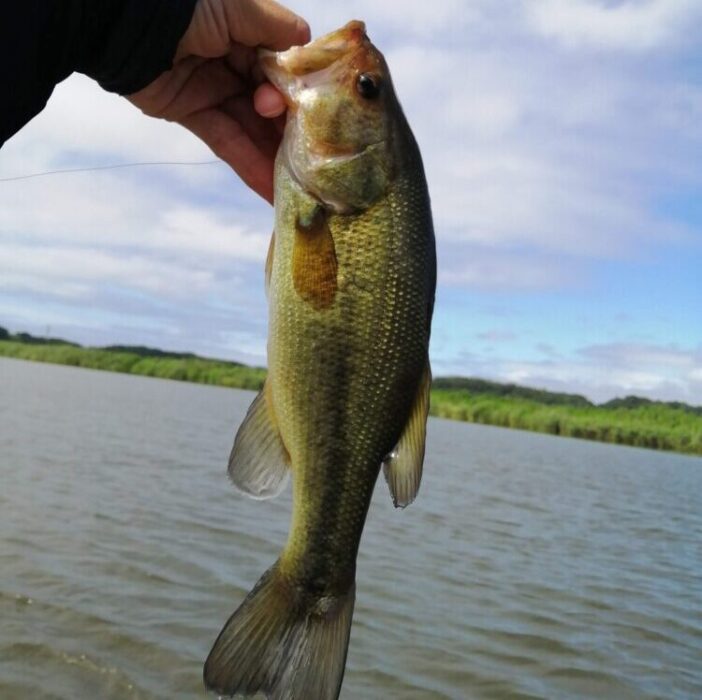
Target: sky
563, 148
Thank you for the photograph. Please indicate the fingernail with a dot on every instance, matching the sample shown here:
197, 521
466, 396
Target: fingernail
303, 30
268, 101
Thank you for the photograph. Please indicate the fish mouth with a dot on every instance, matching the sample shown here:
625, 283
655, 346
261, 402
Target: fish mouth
287, 69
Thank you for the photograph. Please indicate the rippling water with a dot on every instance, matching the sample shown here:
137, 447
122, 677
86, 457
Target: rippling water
529, 567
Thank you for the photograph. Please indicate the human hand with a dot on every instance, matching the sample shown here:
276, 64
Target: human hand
216, 90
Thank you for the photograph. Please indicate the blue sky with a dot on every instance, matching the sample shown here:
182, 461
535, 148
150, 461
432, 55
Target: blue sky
563, 148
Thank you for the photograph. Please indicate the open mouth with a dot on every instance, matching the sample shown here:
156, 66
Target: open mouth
284, 67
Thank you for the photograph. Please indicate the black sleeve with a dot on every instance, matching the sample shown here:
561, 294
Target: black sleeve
123, 44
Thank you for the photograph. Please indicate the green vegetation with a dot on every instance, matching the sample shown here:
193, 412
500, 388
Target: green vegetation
511, 391
628, 421
650, 424
137, 360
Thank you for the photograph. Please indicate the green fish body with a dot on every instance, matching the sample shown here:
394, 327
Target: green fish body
351, 276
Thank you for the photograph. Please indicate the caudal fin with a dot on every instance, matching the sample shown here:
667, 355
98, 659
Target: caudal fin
282, 643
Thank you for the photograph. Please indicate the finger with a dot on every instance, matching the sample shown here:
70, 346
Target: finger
262, 132
242, 60
230, 142
156, 98
208, 85
268, 101
265, 23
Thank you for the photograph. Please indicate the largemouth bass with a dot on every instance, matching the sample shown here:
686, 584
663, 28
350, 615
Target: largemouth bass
351, 273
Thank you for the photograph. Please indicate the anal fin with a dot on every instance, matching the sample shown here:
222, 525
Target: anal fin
403, 466
258, 464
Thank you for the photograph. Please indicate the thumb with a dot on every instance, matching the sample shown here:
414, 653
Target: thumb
265, 23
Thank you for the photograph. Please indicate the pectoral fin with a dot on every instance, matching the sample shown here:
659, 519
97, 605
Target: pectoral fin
403, 466
314, 263
258, 464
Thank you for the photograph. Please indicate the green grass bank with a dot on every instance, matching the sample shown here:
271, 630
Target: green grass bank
143, 361
630, 421
654, 425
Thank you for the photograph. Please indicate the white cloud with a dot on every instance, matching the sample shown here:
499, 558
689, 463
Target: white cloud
631, 25
545, 158
415, 16
392, 18
602, 372
79, 271
489, 113
151, 253
530, 149
199, 232
623, 355
83, 123
485, 271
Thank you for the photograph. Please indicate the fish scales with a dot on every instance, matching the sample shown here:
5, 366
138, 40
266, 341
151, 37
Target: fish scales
351, 274
342, 399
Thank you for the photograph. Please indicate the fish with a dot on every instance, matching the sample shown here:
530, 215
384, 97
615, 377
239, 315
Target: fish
350, 278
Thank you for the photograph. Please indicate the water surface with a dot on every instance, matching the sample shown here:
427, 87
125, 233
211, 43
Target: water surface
530, 566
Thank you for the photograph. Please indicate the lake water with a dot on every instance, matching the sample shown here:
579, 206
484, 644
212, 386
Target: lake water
529, 567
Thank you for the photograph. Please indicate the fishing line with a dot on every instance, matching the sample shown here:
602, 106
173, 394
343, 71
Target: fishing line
105, 167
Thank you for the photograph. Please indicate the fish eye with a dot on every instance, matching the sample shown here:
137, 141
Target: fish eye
368, 86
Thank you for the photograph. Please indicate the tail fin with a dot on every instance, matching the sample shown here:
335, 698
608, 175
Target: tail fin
283, 644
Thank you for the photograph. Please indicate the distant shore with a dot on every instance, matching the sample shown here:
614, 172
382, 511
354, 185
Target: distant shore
631, 421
